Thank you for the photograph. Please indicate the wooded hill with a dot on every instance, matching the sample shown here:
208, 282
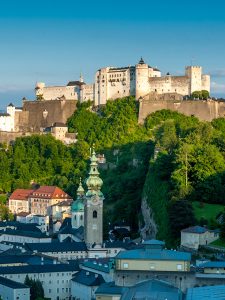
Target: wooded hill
172, 160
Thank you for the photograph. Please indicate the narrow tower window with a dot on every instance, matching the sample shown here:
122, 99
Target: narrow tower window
95, 214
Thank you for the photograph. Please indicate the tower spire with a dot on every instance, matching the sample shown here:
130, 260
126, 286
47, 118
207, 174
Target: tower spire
81, 77
80, 190
94, 182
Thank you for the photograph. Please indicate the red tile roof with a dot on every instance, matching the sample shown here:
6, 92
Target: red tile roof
20, 194
50, 192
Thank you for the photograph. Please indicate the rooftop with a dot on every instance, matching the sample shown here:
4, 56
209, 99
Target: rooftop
74, 83
20, 194
56, 247
97, 265
154, 242
213, 264
49, 192
59, 124
216, 292
12, 284
110, 288
88, 278
156, 254
195, 229
156, 288
38, 269
34, 234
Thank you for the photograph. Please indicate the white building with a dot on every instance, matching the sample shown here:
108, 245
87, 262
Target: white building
196, 236
7, 120
19, 201
74, 90
41, 221
55, 278
64, 250
139, 81
12, 290
84, 285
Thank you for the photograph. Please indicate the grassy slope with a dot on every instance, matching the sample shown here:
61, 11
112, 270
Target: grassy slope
207, 211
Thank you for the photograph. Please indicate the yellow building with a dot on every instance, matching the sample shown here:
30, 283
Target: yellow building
153, 257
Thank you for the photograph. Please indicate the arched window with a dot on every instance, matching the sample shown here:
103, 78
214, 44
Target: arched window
81, 217
95, 214
75, 217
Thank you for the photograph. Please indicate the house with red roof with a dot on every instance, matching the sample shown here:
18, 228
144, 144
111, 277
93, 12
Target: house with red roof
44, 197
19, 201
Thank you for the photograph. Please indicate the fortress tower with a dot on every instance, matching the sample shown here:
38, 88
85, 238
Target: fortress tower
197, 81
93, 210
142, 83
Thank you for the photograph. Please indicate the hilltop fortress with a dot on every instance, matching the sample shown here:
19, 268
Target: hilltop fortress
139, 81
146, 83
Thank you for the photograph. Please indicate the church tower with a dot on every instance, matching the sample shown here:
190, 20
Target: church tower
93, 208
77, 209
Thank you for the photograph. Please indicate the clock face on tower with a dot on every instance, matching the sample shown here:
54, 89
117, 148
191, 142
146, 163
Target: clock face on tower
95, 199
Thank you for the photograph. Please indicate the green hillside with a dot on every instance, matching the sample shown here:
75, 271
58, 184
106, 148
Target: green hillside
172, 160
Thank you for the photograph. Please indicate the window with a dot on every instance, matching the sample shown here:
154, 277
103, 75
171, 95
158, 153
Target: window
152, 266
81, 217
95, 214
179, 267
125, 265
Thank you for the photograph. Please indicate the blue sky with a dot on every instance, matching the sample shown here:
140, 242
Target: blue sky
53, 41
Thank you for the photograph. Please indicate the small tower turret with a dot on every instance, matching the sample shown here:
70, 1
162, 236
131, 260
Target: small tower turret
93, 210
77, 209
81, 78
142, 83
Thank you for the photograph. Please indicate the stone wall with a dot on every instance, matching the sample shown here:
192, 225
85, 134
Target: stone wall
204, 110
41, 114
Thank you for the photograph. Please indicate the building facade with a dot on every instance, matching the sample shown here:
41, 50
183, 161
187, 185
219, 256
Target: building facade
44, 197
193, 237
140, 80
19, 201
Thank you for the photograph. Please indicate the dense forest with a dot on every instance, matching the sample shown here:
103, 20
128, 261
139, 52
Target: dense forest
172, 159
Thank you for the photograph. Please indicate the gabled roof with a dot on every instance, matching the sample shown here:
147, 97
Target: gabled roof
195, 229
88, 278
12, 284
158, 289
20, 194
50, 192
